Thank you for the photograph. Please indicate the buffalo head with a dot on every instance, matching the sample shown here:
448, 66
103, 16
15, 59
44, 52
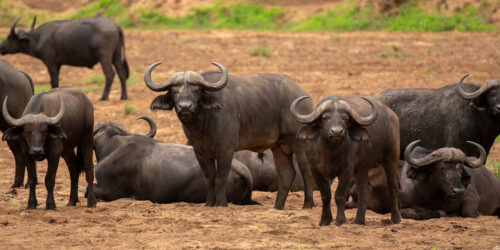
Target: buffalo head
186, 91
443, 169
17, 39
34, 128
487, 97
334, 119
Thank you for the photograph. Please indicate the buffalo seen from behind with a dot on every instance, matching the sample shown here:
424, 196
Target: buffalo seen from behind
437, 183
448, 116
345, 138
221, 114
132, 165
19, 87
52, 125
82, 43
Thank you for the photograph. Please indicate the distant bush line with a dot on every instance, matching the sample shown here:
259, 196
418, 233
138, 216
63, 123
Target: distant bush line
249, 16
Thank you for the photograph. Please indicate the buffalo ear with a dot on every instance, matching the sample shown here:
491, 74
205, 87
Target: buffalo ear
210, 102
308, 132
359, 134
416, 174
479, 103
466, 177
163, 102
23, 39
57, 133
12, 134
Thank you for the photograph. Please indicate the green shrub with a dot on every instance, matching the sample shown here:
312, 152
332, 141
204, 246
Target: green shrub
259, 50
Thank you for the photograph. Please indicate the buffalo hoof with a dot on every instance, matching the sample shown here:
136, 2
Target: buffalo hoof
104, 98
91, 202
324, 222
308, 205
396, 219
18, 185
279, 206
221, 204
340, 221
123, 97
359, 221
51, 205
351, 205
31, 205
72, 203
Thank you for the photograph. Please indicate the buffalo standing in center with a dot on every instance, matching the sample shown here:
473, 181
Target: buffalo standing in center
19, 86
82, 43
132, 165
343, 143
53, 124
221, 114
448, 116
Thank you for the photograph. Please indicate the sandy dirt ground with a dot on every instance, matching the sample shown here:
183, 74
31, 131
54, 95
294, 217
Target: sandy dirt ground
323, 63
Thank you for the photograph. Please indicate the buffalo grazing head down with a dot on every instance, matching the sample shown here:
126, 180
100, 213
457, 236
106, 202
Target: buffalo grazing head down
186, 91
34, 128
17, 39
334, 119
444, 168
487, 97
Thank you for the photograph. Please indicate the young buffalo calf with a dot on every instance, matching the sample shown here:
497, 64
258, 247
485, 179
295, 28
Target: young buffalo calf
53, 124
342, 143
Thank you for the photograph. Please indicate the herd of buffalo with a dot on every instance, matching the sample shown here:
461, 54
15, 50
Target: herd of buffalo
417, 153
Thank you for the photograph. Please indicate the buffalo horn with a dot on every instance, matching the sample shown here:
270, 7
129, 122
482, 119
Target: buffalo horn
33, 24
164, 86
152, 126
305, 119
474, 94
13, 28
360, 120
194, 77
54, 120
474, 162
9, 119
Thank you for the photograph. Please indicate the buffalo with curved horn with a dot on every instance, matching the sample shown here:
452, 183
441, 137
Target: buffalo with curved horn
437, 183
448, 116
81, 43
221, 114
19, 86
52, 125
345, 138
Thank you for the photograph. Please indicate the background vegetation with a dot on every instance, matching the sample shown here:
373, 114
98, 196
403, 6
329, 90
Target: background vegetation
348, 16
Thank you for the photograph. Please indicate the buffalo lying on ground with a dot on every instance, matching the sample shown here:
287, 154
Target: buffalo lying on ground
448, 116
263, 171
221, 114
53, 124
19, 86
131, 165
83, 43
443, 182
342, 143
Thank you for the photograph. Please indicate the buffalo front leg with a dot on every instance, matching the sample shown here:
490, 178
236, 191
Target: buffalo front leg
286, 173
70, 160
363, 197
341, 194
54, 74
208, 167
50, 181
224, 161
109, 73
307, 177
84, 159
32, 180
326, 198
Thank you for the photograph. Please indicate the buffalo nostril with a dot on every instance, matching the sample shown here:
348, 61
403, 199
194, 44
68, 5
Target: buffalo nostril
498, 107
336, 131
37, 150
458, 190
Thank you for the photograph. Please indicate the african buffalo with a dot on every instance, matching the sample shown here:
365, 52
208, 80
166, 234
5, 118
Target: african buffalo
82, 43
132, 165
19, 86
221, 114
443, 182
342, 143
264, 175
448, 116
52, 125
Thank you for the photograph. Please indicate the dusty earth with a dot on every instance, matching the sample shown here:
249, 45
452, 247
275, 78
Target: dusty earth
323, 63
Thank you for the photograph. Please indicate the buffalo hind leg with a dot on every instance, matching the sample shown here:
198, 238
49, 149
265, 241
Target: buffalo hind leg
121, 68
70, 159
391, 171
301, 157
19, 158
109, 73
326, 198
54, 75
208, 167
363, 197
286, 173
50, 181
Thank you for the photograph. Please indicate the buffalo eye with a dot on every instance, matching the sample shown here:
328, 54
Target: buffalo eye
28, 132
325, 117
345, 117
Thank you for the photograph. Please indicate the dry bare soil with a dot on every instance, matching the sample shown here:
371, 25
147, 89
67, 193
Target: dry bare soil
323, 63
